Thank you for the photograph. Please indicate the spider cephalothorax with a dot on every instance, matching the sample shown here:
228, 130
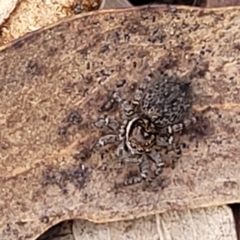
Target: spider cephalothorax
158, 110
138, 141
140, 135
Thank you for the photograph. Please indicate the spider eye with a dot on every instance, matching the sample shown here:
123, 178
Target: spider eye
140, 150
133, 145
145, 134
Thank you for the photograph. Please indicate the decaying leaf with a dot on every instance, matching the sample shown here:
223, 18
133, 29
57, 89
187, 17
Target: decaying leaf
110, 4
222, 3
6, 7
203, 223
32, 15
50, 74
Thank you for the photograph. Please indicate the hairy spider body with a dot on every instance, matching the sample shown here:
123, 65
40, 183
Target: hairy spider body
138, 147
166, 103
137, 140
140, 135
155, 113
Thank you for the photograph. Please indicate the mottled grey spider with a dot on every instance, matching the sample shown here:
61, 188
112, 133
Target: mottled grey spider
156, 112
137, 139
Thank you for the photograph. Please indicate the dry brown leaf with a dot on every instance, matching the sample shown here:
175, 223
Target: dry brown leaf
174, 225
6, 8
222, 3
199, 224
33, 15
107, 4
50, 73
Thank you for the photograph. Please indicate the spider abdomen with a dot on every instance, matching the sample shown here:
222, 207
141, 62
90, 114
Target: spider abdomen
166, 102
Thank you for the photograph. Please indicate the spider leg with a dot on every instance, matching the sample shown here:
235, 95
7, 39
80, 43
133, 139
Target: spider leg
131, 160
178, 127
100, 123
157, 159
170, 141
144, 170
105, 121
105, 140
132, 180
177, 149
139, 93
162, 141
144, 167
127, 106
175, 144
122, 129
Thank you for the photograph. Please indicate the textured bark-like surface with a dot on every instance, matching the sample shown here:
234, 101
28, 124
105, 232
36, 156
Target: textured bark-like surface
6, 7
32, 15
50, 81
222, 3
198, 224
106, 4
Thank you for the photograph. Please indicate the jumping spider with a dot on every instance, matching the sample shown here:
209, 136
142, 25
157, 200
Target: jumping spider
150, 119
